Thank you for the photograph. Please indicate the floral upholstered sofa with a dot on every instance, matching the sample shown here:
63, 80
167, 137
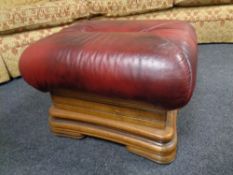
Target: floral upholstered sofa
25, 21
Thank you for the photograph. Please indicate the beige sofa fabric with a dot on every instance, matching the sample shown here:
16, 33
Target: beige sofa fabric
4, 75
126, 7
41, 15
11, 3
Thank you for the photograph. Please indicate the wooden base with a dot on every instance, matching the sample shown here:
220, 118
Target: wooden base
145, 129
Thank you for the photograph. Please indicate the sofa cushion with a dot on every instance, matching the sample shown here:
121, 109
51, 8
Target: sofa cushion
40, 15
126, 7
11, 3
201, 2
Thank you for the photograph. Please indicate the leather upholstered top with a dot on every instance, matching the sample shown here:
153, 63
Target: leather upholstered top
154, 61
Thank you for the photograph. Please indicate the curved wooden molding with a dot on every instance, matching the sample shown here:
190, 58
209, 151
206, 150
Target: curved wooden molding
145, 129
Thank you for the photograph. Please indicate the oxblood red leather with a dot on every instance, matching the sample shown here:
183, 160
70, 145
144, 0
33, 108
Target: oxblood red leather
154, 61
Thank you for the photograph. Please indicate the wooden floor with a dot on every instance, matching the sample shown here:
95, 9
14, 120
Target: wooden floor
145, 129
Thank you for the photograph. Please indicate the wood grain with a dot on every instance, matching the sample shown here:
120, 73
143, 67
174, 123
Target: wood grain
144, 128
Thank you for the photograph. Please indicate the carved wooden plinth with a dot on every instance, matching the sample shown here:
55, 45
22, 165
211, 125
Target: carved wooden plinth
145, 129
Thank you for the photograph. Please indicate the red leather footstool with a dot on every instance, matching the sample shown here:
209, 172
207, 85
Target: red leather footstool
123, 81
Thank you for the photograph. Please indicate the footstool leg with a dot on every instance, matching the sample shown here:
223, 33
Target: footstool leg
144, 129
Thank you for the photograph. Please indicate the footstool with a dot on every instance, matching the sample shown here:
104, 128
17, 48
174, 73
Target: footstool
122, 81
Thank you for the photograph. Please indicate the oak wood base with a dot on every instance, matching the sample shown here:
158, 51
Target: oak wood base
145, 129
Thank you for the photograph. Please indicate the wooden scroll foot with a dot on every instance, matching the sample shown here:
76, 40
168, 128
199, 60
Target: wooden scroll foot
145, 129
161, 159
